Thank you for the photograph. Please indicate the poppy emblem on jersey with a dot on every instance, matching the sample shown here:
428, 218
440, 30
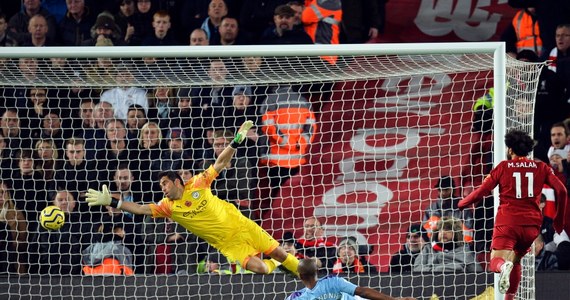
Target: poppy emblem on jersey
195, 195
188, 203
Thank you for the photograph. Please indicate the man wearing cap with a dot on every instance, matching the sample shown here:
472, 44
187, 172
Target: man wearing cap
349, 261
283, 32
105, 27
446, 206
403, 261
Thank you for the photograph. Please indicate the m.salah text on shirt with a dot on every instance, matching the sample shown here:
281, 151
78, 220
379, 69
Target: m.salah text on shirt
521, 164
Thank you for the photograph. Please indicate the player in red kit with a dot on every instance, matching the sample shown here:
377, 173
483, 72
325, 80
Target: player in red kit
519, 218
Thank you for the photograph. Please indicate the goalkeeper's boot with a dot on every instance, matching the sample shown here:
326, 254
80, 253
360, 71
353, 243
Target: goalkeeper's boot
505, 276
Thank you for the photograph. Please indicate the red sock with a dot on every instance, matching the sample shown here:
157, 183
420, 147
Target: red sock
515, 279
509, 297
496, 263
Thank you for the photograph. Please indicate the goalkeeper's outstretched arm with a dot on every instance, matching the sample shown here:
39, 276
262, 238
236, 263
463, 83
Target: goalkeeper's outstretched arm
103, 198
226, 156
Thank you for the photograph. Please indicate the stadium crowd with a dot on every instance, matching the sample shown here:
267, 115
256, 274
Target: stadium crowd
55, 144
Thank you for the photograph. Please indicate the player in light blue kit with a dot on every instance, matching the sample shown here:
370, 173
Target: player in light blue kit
331, 287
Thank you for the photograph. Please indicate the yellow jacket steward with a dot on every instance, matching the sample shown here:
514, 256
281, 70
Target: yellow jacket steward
290, 126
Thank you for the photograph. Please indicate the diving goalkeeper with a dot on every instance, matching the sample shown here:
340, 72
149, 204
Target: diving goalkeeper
216, 221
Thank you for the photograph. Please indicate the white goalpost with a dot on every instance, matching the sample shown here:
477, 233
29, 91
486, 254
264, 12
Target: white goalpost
391, 120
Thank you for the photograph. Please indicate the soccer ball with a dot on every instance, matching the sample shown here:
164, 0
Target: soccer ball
52, 218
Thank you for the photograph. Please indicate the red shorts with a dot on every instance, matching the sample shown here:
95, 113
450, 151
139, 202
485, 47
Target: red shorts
516, 238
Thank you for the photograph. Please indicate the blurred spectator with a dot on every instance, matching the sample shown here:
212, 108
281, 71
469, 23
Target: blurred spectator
349, 260
136, 118
162, 35
236, 182
403, 261
150, 150
560, 57
52, 128
217, 10
290, 126
29, 189
38, 30
175, 154
109, 256
229, 32
282, 31
32, 109
198, 37
170, 248
75, 27
59, 250
13, 235
92, 131
215, 263
161, 103
18, 24
105, 27
47, 158
15, 136
543, 260
185, 171
28, 68
298, 7
523, 33
123, 19
102, 70
313, 243
124, 96
360, 21
141, 21
446, 206
77, 175
102, 112
6, 39
560, 140
256, 16
448, 252
117, 149
5, 160
288, 243
124, 187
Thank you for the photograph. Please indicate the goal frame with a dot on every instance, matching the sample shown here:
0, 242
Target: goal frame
495, 48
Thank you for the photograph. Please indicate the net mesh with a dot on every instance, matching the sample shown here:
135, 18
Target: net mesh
388, 128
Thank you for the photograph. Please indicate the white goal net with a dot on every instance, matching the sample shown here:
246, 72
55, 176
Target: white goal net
356, 150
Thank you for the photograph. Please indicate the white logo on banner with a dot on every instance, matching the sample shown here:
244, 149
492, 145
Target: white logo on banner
470, 20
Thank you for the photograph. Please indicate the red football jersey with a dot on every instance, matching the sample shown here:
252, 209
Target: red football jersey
520, 185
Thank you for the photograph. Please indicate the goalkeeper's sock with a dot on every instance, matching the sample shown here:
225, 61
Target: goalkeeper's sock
515, 279
496, 263
291, 263
271, 265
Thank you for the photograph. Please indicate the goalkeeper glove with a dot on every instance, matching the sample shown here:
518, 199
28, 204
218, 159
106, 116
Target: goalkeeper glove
242, 134
96, 198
